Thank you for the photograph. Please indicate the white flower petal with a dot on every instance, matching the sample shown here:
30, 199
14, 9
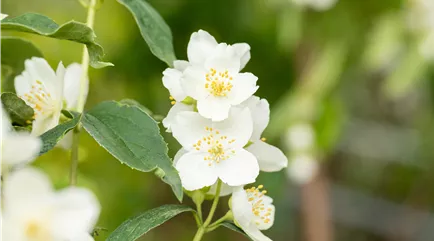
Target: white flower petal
6, 124
39, 69
302, 169
201, 45
225, 190
177, 108
23, 83
180, 65
3, 16
270, 158
19, 148
214, 108
244, 86
242, 50
76, 210
41, 125
189, 127
71, 88
172, 82
178, 155
24, 188
224, 58
81, 237
238, 126
239, 169
194, 171
260, 111
60, 81
253, 232
193, 82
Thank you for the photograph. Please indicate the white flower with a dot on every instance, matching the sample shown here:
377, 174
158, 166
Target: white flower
253, 211
302, 169
177, 108
3, 16
16, 147
34, 211
42, 89
270, 158
172, 79
215, 150
213, 77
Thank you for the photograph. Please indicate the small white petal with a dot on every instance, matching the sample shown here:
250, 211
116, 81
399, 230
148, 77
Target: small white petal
72, 82
194, 171
19, 148
224, 58
178, 155
42, 125
214, 108
193, 82
177, 108
225, 190
302, 169
180, 65
244, 86
260, 111
76, 210
239, 169
242, 50
237, 127
39, 69
270, 158
3, 16
60, 81
81, 237
172, 82
24, 188
189, 127
23, 83
200, 47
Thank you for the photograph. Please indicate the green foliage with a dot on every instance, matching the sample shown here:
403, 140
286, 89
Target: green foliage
234, 227
135, 103
153, 28
133, 137
135, 227
53, 136
74, 31
13, 52
19, 112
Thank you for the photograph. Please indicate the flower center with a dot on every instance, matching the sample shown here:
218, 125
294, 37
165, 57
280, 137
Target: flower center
218, 83
39, 99
36, 232
259, 209
216, 145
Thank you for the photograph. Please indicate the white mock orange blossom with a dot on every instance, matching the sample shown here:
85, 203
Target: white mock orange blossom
219, 124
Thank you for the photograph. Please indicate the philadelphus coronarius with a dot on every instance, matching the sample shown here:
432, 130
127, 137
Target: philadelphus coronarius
47, 92
253, 211
32, 210
12, 141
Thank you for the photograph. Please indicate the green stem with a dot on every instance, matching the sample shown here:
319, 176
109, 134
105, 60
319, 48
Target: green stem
81, 97
228, 216
74, 157
202, 229
199, 212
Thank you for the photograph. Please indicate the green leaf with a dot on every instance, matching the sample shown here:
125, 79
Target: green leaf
234, 227
135, 227
14, 51
153, 28
132, 102
53, 136
19, 112
133, 137
74, 31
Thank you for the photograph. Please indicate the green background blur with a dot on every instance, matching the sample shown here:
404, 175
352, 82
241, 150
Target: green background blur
353, 72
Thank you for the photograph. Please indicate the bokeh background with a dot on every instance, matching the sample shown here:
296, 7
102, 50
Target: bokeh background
351, 94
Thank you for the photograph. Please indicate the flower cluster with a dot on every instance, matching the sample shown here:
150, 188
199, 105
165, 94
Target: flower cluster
31, 209
219, 124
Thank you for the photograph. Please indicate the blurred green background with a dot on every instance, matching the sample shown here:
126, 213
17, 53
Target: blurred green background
357, 72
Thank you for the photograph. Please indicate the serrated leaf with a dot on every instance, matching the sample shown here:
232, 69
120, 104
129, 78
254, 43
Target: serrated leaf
135, 227
235, 228
53, 136
137, 104
19, 112
74, 31
133, 137
153, 28
14, 51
